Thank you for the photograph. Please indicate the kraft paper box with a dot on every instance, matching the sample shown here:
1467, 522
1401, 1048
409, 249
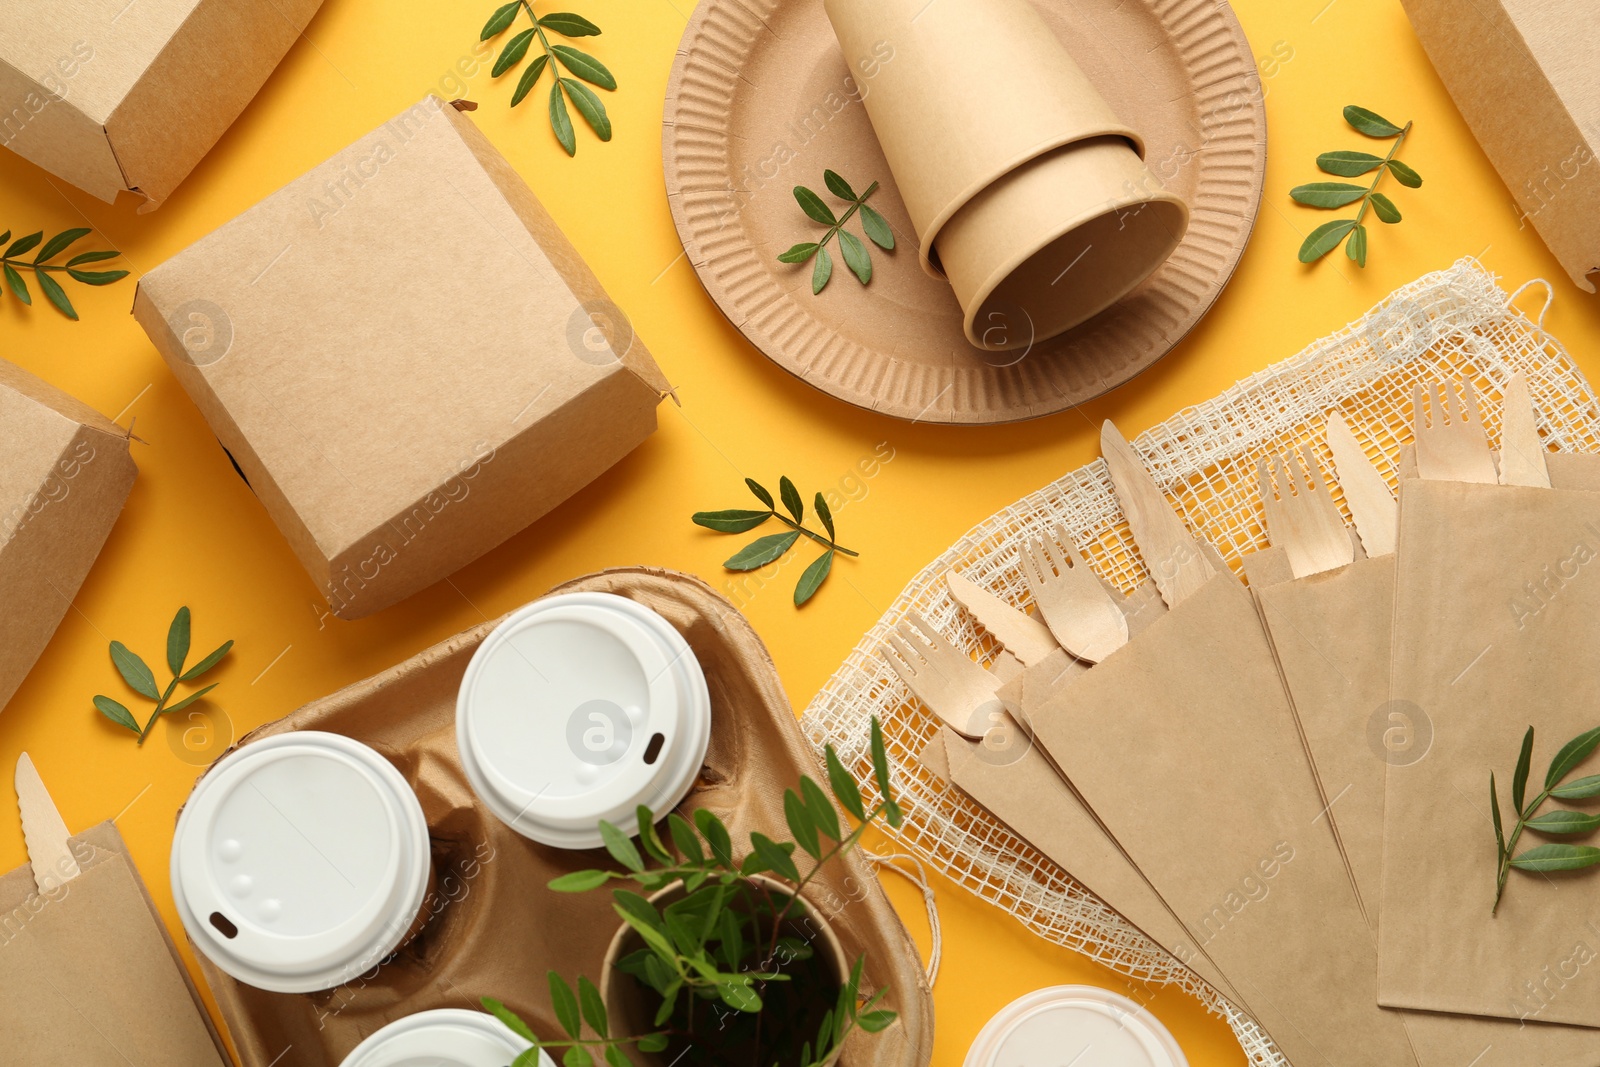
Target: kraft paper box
404, 356
1184, 745
112, 95
65, 473
89, 974
1524, 76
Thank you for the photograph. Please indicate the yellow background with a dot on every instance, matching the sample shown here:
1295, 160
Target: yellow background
193, 534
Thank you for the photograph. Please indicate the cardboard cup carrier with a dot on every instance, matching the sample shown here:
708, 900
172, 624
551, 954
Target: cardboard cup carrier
621, 717
300, 862
443, 1037
1041, 214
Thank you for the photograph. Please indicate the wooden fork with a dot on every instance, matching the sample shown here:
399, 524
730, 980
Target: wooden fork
956, 689
1301, 516
1451, 444
1079, 611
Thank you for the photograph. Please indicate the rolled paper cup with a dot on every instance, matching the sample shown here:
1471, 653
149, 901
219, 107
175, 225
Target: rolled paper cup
1057, 241
945, 139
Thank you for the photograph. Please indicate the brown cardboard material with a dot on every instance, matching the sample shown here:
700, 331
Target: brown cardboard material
1493, 631
1185, 747
65, 472
1007, 203
397, 421
113, 96
1523, 75
89, 974
493, 927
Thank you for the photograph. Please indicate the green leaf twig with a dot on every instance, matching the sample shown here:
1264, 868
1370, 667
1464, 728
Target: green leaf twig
1560, 821
769, 549
142, 680
855, 254
1352, 233
13, 264
583, 67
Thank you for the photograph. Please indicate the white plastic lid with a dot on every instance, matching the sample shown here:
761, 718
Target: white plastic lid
447, 1037
300, 861
580, 707
1076, 1024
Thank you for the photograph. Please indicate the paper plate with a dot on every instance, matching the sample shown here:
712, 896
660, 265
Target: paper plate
760, 101
1074, 1024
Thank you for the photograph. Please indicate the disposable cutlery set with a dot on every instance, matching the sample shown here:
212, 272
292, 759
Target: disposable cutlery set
1254, 777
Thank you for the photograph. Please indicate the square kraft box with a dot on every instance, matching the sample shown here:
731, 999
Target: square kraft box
404, 356
112, 95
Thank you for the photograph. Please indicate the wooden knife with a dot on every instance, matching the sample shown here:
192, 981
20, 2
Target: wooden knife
43, 830
1173, 555
1521, 452
1367, 495
1021, 634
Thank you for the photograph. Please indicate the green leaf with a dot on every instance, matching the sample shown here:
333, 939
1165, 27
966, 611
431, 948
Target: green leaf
56, 294
822, 271
813, 206
838, 186
799, 253
825, 513
4, 237
621, 847
822, 812
739, 996
1327, 194
880, 771
565, 1004
1519, 781
1384, 208
731, 938
190, 699
644, 920
813, 577
653, 1043
1494, 809
528, 1058
584, 66
594, 1009
648, 837
874, 1021
791, 499
733, 520
580, 881
117, 713
775, 856
58, 244
1356, 249
683, 836
716, 834
22, 244
1348, 164
855, 256
96, 277
569, 25
761, 492
178, 641
511, 1019
616, 1057
1582, 789
1572, 753
529, 78
1370, 123
512, 54
206, 664
801, 824
576, 1056
502, 17
89, 257
1325, 239
876, 228
761, 551
1404, 174
1557, 858
560, 121
134, 671
844, 786
1564, 821
590, 107
18, 286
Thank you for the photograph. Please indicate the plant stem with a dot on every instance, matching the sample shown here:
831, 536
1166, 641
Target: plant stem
161, 705
862, 199
818, 538
1383, 168
555, 71
1511, 842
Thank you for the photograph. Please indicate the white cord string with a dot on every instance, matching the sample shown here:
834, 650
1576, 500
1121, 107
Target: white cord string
1549, 296
918, 878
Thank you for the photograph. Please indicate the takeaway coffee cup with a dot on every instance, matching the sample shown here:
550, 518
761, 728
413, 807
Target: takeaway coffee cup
579, 708
300, 861
447, 1037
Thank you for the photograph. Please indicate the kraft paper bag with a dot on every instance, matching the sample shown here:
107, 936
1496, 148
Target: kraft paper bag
1185, 746
89, 974
1496, 602
493, 926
